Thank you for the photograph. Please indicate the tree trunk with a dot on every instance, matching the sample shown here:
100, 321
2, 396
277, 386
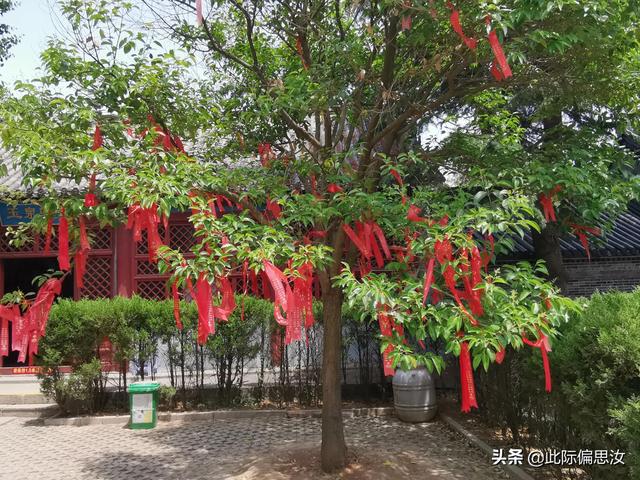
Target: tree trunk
546, 245
333, 453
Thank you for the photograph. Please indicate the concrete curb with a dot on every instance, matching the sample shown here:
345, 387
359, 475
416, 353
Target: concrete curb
513, 470
23, 399
29, 410
210, 416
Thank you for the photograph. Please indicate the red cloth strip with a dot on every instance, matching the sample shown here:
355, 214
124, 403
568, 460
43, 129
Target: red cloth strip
454, 18
97, 139
63, 243
467, 386
176, 304
428, 279
501, 59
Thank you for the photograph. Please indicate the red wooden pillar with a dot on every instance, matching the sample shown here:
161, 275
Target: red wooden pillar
125, 261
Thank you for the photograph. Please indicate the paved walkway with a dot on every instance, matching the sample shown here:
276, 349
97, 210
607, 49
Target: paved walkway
279, 449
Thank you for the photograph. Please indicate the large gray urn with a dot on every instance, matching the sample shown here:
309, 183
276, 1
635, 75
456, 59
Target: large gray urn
414, 395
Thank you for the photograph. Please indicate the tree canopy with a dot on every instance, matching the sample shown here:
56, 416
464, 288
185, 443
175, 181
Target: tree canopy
299, 136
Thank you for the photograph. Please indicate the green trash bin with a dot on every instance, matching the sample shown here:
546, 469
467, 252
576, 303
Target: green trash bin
143, 401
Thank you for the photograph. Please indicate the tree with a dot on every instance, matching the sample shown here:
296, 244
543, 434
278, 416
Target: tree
7, 39
334, 97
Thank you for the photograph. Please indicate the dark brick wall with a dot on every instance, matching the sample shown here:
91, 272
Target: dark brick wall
602, 274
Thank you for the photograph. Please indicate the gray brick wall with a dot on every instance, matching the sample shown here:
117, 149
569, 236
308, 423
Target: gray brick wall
602, 274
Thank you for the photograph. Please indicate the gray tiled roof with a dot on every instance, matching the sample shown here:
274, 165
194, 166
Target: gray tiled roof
12, 182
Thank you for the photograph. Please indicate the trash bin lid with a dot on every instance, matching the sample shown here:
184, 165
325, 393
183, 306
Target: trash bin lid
143, 387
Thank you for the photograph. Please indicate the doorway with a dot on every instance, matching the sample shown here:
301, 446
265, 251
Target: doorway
18, 275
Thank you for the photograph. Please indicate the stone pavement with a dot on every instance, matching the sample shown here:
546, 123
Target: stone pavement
256, 449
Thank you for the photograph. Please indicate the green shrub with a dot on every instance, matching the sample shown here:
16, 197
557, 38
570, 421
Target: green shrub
595, 402
80, 391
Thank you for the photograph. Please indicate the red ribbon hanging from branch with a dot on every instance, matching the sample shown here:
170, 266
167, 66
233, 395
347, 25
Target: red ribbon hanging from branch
63, 242
30, 327
581, 232
546, 200
140, 219
467, 386
97, 139
502, 69
300, 51
428, 279
7, 314
333, 188
199, 16
471, 43
176, 304
543, 344
90, 198
405, 23
265, 153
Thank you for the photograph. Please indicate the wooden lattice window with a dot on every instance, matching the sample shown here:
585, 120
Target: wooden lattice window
98, 278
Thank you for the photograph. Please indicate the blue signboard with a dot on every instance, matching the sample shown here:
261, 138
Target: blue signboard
17, 213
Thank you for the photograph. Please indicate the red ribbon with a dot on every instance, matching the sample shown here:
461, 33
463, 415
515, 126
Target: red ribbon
199, 16
333, 188
63, 243
502, 69
546, 200
176, 304
30, 327
428, 279
500, 355
386, 331
264, 152
457, 27
301, 52
467, 386
97, 139
579, 231
543, 344
406, 22
273, 208
413, 215
140, 219
90, 199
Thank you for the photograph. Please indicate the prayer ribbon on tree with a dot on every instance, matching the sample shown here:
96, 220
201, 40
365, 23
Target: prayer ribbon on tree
546, 200
140, 219
500, 68
543, 344
176, 304
467, 386
90, 198
30, 327
300, 51
581, 232
454, 18
97, 139
500, 355
428, 279
63, 242
199, 16
413, 215
264, 152
333, 188
405, 23
7, 314
80, 258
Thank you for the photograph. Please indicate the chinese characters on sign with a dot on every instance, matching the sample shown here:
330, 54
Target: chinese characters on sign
14, 214
538, 458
